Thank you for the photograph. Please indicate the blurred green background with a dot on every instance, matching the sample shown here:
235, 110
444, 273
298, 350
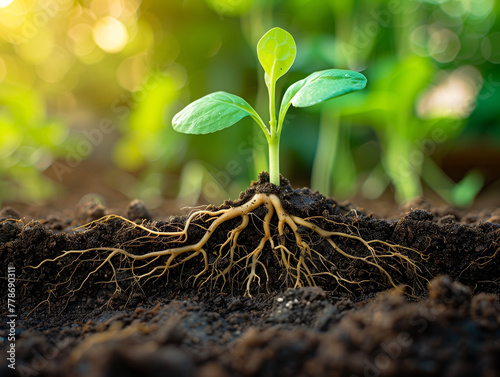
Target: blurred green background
88, 90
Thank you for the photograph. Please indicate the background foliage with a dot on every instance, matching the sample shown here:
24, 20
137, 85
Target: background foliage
96, 83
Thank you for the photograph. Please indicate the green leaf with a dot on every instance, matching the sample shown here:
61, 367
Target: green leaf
276, 51
321, 86
212, 113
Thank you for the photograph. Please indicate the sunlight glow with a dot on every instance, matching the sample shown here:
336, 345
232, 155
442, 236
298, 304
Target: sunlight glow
5, 3
444, 44
110, 35
454, 96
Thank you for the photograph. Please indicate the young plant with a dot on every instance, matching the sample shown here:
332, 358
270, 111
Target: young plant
232, 239
276, 51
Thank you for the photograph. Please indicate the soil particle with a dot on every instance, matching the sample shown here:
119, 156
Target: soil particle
136, 210
9, 230
443, 319
89, 210
9, 213
306, 306
449, 293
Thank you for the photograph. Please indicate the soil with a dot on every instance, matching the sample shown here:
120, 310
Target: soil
437, 317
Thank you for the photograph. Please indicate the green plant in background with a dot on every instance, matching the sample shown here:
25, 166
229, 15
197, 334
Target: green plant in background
402, 72
29, 144
276, 51
335, 171
408, 139
146, 145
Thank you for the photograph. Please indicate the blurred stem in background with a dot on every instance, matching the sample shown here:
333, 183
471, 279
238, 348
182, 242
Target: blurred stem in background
334, 170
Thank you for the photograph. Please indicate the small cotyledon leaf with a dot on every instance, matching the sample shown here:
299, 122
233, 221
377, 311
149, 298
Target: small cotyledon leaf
321, 86
276, 51
212, 113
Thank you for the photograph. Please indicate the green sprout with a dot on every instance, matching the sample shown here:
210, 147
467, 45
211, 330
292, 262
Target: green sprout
276, 51
305, 249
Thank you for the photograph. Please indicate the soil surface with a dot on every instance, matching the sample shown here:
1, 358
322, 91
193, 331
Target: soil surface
426, 304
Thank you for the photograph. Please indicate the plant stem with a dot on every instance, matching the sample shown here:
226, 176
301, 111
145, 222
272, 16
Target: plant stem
274, 160
273, 140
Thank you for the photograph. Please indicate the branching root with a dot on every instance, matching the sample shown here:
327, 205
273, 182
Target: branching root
304, 251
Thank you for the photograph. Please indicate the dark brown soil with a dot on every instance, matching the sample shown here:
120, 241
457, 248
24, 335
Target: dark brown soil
446, 324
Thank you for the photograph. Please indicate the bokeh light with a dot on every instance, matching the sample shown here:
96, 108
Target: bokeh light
13, 17
490, 48
110, 34
444, 44
131, 72
5, 3
55, 73
81, 40
453, 96
230, 7
37, 49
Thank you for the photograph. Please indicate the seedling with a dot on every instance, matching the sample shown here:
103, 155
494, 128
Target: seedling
303, 249
276, 51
